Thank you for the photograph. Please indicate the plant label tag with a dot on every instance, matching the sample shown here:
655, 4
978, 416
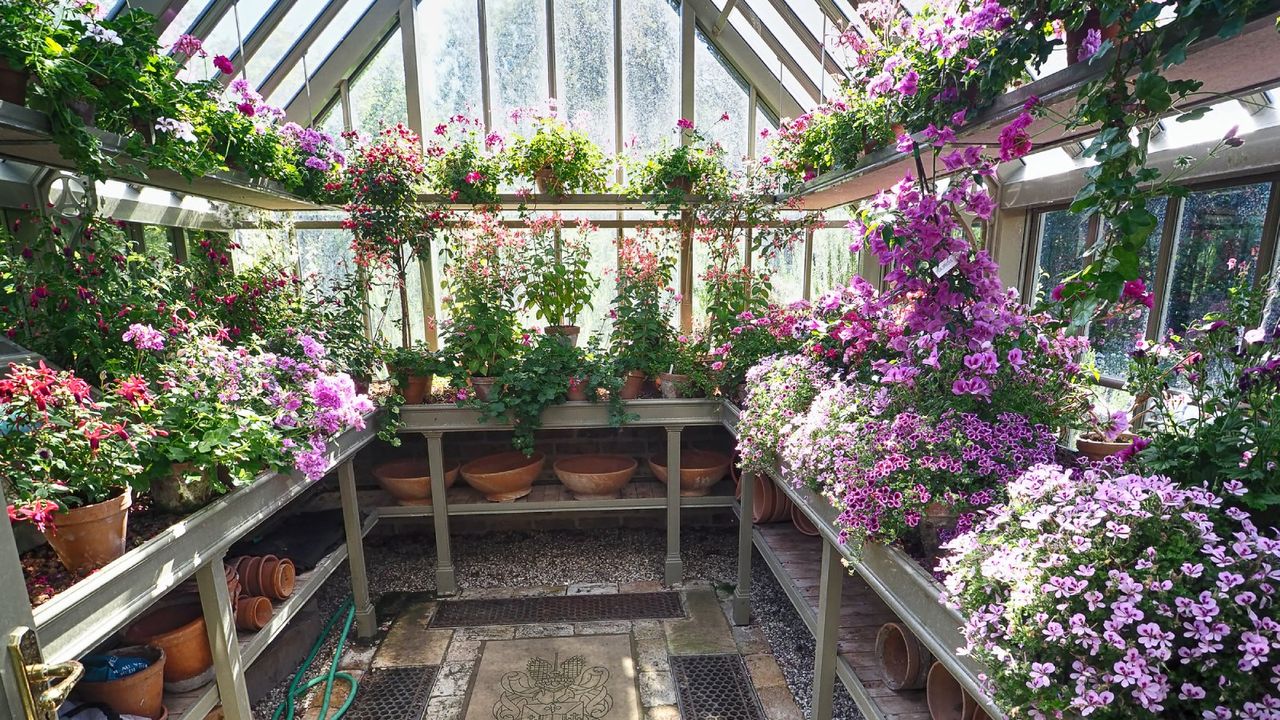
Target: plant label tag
945, 266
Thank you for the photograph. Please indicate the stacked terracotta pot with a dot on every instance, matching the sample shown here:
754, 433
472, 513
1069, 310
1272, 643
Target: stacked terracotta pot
262, 579
906, 664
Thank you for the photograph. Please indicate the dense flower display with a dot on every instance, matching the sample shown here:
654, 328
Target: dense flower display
1120, 596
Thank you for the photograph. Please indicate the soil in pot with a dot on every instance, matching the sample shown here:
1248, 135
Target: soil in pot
1097, 449
504, 477
568, 334
409, 481
179, 631
699, 470
672, 385
139, 693
86, 538
632, 384
184, 489
946, 699
904, 661
483, 386
595, 477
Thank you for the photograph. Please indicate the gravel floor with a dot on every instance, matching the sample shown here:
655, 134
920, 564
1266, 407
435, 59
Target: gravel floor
524, 559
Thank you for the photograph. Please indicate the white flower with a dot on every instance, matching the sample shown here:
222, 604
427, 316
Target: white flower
180, 129
101, 34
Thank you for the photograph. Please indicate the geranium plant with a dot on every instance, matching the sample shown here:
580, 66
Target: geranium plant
1119, 596
644, 301
559, 157
560, 282
695, 165
751, 339
464, 163
484, 266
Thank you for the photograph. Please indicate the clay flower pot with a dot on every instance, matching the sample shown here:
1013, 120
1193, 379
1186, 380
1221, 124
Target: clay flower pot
682, 184
595, 477
179, 631
904, 661
632, 384
568, 334
141, 693
699, 470
504, 477
769, 504
276, 577
483, 386
88, 537
184, 489
672, 385
801, 521
946, 699
936, 518
409, 481
577, 389
253, 613
545, 179
1097, 449
416, 389
250, 569
13, 83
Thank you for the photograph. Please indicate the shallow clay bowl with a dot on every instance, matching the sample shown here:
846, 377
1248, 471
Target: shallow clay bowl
595, 477
504, 477
699, 470
409, 481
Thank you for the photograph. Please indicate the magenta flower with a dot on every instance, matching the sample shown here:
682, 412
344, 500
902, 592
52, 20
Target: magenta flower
684, 124
223, 64
144, 337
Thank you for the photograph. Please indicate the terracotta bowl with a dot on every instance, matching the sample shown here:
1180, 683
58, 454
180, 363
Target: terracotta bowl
699, 470
409, 481
1098, 450
504, 477
138, 694
179, 631
595, 477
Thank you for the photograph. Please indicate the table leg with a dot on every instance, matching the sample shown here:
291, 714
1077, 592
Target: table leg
674, 565
742, 594
366, 620
824, 664
446, 582
228, 666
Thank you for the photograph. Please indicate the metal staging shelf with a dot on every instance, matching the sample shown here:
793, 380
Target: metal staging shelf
1246, 63
26, 135
442, 417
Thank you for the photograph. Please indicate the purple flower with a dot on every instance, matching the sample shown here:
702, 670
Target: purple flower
1090, 45
144, 337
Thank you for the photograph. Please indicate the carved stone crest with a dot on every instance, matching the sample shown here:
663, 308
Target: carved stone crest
554, 690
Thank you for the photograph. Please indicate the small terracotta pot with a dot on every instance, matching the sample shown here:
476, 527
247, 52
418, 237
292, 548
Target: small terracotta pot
545, 179
253, 613
672, 385
683, 184
801, 521
184, 489
904, 661
770, 505
595, 477
577, 389
409, 481
416, 389
13, 83
251, 575
946, 699
141, 693
483, 386
699, 470
1097, 450
632, 384
568, 334
86, 538
179, 631
504, 477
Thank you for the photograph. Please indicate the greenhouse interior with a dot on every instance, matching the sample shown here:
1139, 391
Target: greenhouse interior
348, 346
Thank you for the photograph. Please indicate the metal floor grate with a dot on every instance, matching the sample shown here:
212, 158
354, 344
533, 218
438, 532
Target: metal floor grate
395, 692
714, 687
559, 608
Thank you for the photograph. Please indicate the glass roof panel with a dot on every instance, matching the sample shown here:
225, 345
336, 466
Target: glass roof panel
808, 12
584, 67
183, 21
1209, 127
449, 59
650, 71
320, 50
283, 36
377, 89
517, 39
718, 91
226, 36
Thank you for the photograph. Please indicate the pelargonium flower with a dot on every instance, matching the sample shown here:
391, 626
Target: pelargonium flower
144, 337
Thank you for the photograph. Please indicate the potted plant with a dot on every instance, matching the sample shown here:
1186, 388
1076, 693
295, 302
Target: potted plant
752, 339
558, 157
560, 282
671, 173
1107, 433
412, 369
464, 163
643, 305
688, 373
67, 462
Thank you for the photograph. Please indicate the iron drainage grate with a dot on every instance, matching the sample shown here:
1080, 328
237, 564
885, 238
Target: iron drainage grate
714, 687
558, 608
394, 692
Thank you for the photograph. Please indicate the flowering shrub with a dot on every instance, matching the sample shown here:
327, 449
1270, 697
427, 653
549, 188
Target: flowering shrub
831, 135
1120, 597
484, 268
561, 157
694, 165
60, 448
464, 162
779, 390
644, 300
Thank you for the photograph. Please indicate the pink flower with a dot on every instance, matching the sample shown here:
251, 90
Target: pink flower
474, 177
684, 124
223, 63
1137, 290
1089, 47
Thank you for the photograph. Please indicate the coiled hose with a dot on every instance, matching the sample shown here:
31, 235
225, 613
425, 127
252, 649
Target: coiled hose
298, 688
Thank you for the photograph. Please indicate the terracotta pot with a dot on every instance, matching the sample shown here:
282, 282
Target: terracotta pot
545, 179
577, 389
416, 389
946, 699
1076, 37
672, 385
801, 521
483, 386
179, 631
409, 481
1098, 450
141, 693
904, 661
568, 334
184, 489
504, 477
595, 477
86, 538
276, 579
699, 470
762, 499
683, 184
253, 613
250, 574
632, 385
13, 83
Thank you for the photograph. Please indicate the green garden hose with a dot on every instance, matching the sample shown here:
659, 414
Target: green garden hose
297, 690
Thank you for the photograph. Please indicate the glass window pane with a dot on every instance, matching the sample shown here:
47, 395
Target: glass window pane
833, 262
183, 21
282, 37
650, 71
584, 66
517, 57
377, 91
325, 254
449, 59
719, 91
1062, 242
384, 306
1216, 230
1113, 339
225, 37
320, 50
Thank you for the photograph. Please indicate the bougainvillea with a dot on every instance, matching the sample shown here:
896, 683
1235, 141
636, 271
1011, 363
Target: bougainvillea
1120, 596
